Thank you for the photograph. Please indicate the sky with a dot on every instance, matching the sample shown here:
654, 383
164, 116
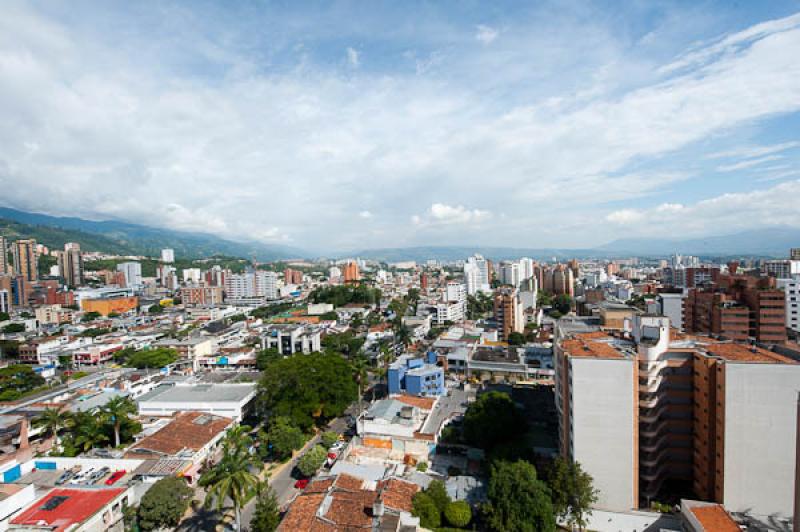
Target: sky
352, 125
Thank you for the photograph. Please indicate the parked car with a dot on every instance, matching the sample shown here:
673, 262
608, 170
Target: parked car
68, 475
97, 475
301, 484
332, 456
115, 476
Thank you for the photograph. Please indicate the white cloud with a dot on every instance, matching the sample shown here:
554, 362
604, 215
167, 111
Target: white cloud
353, 57
207, 136
753, 151
365, 214
486, 34
442, 214
624, 216
749, 163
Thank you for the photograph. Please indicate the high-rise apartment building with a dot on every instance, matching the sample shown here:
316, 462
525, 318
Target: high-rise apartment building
782, 268
510, 274
350, 272
476, 275
291, 276
132, 272
508, 312
251, 284
3, 255
192, 275
791, 291
648, 414
25, 259
168, 256
70, 264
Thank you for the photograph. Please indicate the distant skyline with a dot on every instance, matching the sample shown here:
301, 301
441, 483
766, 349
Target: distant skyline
344, 126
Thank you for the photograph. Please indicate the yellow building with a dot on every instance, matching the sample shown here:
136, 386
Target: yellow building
107, 306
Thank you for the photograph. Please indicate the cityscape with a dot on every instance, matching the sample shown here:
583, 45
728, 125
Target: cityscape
368, 267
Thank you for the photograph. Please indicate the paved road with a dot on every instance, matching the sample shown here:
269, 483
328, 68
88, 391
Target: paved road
282, 481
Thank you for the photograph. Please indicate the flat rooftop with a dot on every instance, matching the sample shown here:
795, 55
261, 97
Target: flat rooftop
502, 354
199, 392
746, 353
62, 509
596, 344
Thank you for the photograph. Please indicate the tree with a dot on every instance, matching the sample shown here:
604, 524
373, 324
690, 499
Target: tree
329, 316
438, 494
265, 356
423, 507
13, 328
266, 515
155, 309
572, 492
563, 303
283, 437
516, 338
518, 500
152, 358
491, 420
52, 420
328, 438
90, 316
164, 504
18, 380
89, 432
4, 316
232, 477
310, 462
458, 514
116, 410
308, 389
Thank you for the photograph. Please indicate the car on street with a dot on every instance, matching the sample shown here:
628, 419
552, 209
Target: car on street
301, 484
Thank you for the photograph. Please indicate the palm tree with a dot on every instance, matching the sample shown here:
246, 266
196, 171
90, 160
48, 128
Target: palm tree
232, 477
116, 410
89, 432
53, 420
359, 366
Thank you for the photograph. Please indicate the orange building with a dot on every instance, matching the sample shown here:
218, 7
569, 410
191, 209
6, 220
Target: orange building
107, 306
350, 272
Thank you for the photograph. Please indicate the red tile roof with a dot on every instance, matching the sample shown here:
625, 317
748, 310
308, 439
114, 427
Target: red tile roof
78, 506
397, 494
186, 431
423, 403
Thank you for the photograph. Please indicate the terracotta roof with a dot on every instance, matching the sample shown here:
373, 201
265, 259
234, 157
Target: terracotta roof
351, 509
397, 494
744, 353
189, 430
423, 403
714, 518
586, 346
319, 486
348, 482
302, 512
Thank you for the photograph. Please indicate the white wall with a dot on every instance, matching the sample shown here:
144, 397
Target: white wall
603, 406
760, 437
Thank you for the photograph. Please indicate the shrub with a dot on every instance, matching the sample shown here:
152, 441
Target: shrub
424, 508
458, 514
328, 438
310, 462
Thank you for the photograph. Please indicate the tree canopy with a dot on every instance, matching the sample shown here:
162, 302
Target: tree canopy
307, 389
17, 380
152, 358
518, 500
310, 462
516, 338
343, 294
267, 515
572, 492
563, 303
283, 437
423, 507
458, 514
164, 504
491, 420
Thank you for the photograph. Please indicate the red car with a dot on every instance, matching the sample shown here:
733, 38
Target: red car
115, 476
301, 484
332, 456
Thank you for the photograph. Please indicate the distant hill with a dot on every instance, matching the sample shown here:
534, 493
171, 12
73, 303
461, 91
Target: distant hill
452, 253
127, 238
775, 241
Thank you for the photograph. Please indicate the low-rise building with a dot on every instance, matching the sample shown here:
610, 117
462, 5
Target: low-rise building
227, 400
416, 376
289, 339
75, 510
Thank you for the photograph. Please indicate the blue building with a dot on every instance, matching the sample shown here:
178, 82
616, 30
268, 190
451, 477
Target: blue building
416, 376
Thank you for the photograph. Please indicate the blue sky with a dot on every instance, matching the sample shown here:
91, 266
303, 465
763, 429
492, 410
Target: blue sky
336, 126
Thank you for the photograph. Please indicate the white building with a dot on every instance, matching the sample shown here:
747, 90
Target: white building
671, 306
510, 274
168, 255
476, 275
782, 269
267, 284
449, 312
5, 301
791, 288
132, 272
192, 275
251, 284
226, 400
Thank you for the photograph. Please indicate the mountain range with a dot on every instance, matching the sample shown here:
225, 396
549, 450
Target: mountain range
127, 238
134, 239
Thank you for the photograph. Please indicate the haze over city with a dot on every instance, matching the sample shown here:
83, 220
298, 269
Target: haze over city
341, 126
